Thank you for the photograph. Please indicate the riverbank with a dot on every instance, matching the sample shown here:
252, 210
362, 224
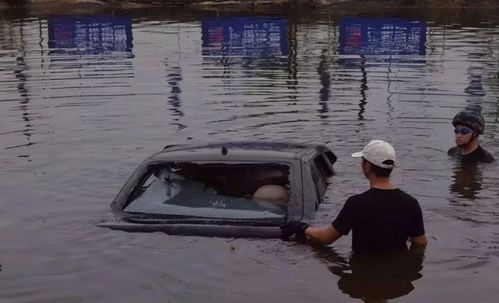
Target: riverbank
447, 10
244, 4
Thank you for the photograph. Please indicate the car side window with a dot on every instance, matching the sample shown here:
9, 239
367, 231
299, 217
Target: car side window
331, 157
319, 184
323, 167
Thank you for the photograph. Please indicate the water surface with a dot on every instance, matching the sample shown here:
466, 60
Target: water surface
84, 99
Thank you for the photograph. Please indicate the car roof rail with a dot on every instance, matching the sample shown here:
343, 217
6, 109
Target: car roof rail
171, 145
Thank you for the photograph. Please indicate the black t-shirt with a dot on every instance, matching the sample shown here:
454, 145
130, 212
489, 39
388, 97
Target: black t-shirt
381, 219
478, 155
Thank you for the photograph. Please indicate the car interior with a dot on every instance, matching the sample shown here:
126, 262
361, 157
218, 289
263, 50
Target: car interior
236, 190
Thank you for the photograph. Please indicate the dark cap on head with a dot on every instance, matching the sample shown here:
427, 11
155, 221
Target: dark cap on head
472, 119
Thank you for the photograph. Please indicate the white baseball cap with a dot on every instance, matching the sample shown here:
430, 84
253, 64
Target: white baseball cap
377, 152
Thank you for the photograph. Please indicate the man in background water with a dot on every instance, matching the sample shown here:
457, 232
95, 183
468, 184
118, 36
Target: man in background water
468, 126
382, 219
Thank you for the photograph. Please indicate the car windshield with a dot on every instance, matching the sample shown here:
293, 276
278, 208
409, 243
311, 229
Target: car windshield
215, 191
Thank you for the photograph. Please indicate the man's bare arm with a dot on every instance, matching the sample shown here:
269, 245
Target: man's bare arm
419, 240
322, 235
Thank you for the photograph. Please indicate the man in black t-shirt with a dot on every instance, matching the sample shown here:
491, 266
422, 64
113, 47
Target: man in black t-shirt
468, 126
382, 219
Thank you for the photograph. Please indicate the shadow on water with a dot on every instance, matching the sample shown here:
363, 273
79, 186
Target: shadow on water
375, 278
466, 180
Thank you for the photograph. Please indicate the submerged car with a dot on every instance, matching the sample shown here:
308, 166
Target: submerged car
231, 189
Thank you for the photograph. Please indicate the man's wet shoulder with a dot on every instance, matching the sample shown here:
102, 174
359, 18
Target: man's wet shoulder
486, 156
454, 151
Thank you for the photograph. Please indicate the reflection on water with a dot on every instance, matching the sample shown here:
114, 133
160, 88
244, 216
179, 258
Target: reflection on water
21, 77
89, 35
382, 36
466, 180
375, 278
248, 37
325, 79
256, 46
372, 39
174, 77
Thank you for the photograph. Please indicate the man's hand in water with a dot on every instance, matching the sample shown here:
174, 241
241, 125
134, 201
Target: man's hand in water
295, 228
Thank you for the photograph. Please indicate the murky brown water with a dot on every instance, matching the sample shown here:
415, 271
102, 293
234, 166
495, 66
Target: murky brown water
83, 99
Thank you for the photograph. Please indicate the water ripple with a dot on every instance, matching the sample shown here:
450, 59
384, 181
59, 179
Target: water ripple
84, 99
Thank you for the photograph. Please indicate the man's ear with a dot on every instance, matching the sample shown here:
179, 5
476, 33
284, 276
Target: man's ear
366, 165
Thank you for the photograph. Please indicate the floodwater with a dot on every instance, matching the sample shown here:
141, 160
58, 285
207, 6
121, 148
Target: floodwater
85, 98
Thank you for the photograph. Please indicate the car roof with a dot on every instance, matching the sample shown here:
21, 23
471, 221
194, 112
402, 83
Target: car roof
235, 151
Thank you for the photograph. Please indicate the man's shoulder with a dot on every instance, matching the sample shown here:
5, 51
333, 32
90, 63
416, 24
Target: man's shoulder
397, 195
486, 156
360, 196
357, 199
406, 195
374, 192
454, 151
